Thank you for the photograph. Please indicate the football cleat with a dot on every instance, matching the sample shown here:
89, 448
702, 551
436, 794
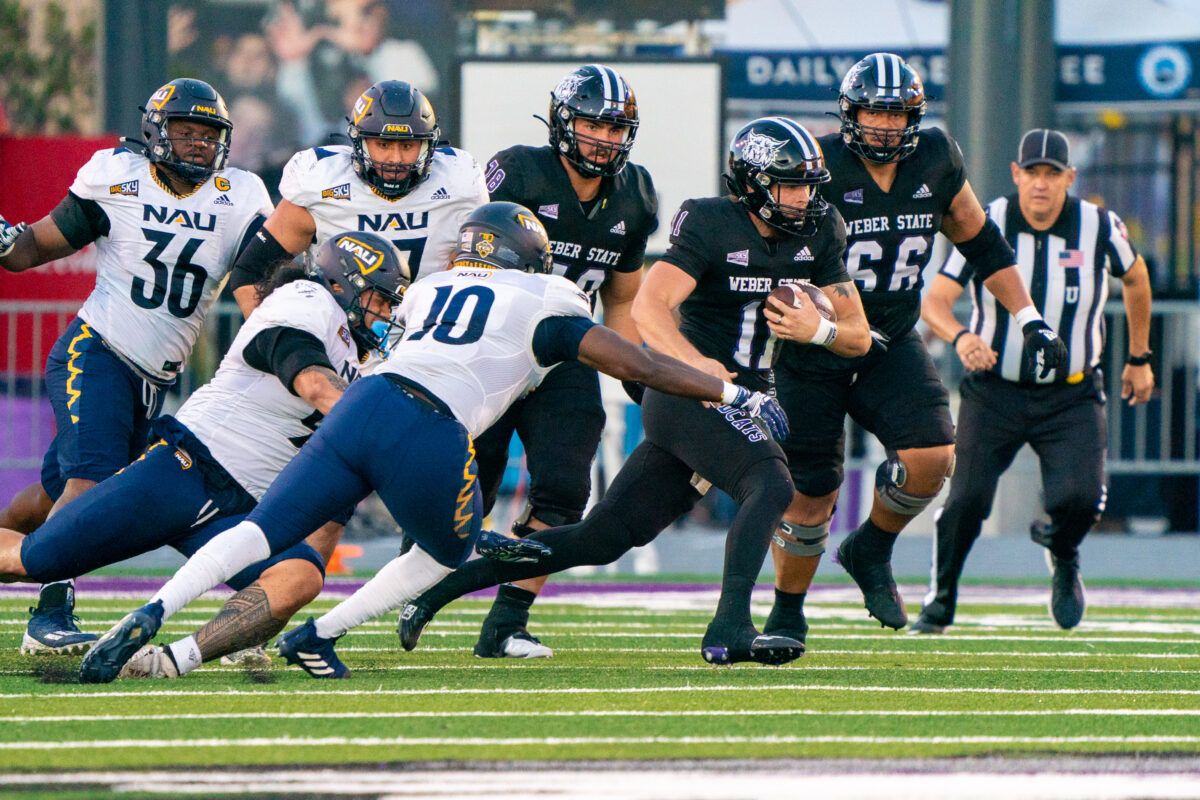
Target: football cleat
520, 644
114, 649
151, 661
256, 656
302, 647
52, 627
499, 547
794, 628
924, 625
874, 579
413, 619
1066, 591
747, 644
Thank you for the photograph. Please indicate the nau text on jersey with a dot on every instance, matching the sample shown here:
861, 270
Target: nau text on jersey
904, 222
175, 216
396, 221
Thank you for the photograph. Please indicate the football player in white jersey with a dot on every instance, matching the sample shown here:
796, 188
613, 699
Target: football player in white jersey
169, 220
392, 179
212, 461
476, 338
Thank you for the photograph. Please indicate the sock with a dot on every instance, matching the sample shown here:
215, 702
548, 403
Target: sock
511, 608
186, 654
225, 556
788, 614
788, 603
870, 538
401, 579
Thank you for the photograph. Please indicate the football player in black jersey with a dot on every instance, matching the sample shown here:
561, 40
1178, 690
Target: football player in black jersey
599, 209
896, 186
727, 254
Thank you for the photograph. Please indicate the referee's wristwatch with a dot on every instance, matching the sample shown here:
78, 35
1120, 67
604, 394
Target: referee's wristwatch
1140, 361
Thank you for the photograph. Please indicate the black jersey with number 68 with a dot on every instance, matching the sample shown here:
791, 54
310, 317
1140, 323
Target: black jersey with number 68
714, 241
586, 244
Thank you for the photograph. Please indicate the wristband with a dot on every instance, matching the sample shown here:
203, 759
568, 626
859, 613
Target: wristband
1027, 315
1140, 361
826, 333
728, 394
959, 335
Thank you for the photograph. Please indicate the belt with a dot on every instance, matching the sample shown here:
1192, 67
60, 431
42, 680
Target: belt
419, 393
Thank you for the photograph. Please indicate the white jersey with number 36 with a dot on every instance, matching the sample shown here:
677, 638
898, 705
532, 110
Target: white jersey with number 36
423, 224
468, 337
159, 267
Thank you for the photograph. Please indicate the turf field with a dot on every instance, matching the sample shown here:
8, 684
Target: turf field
627, 682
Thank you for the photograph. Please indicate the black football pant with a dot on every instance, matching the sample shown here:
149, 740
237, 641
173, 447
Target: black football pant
1066, 426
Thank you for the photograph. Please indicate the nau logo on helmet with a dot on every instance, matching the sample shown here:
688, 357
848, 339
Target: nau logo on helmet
341, 192
393, 128
367, 257
205, 109
759, 149
531, 223
361, 106
160, 98
221, 183
128, 188
568, 85
484, 246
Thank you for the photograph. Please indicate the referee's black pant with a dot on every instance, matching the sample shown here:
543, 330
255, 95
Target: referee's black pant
1066, 426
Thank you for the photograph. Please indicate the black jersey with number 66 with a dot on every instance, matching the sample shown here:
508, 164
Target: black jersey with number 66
714, 241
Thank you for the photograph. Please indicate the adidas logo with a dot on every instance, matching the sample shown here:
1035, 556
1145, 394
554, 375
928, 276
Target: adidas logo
741, 258
922, 193
618, 228
549, 212
314, 664
223, 200
804, 255
441, 194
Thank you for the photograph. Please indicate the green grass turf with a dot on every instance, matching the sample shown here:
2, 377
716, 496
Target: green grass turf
628, 683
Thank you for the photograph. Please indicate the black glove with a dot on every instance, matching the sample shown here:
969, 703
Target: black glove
635, 390
1044, 350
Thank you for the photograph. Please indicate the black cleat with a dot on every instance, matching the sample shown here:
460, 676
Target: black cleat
413, 619
926, 625
115, 648
509, 643
794, 628
747, 644
874, 579
1066, 591
499, 547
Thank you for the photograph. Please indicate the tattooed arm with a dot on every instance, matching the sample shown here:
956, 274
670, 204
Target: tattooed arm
853, 332
319, 386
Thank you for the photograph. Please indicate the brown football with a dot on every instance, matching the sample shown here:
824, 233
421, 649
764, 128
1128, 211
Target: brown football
792, 294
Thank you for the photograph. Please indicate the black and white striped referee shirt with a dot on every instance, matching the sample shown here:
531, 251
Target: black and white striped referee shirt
1066, 270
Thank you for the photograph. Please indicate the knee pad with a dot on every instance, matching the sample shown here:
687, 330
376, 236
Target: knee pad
553, 519
802, 540
889, 482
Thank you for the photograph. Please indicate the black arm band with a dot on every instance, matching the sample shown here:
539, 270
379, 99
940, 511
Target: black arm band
556, 339
80, 221
284, 352
257, 260
989, 252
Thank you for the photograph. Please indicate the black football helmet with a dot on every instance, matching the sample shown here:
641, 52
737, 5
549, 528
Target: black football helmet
882, 82
503, 235
594, 92
356, 262
190, 99
774, 151
393, 110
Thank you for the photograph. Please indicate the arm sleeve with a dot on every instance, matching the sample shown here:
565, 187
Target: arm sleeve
284, 352
503, 180
830, 268
687, 245
81, 221
1117, 248
557, 339
256, 258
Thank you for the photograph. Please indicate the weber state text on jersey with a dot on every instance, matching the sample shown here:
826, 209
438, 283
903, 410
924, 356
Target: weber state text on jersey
251, 423
714, 241
586, 245
423, 224
889, 235
160, 257
468, 337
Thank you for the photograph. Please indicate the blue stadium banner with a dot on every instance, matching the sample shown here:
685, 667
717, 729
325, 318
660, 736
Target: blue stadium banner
1102, 74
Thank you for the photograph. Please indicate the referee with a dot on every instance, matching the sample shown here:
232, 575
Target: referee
1065, 249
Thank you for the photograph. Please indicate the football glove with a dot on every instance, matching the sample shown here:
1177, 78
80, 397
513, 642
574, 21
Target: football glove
765, 408
1044, 349
635, 390
8, 235
499, 547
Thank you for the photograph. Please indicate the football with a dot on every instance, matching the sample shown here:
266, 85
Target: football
793, 293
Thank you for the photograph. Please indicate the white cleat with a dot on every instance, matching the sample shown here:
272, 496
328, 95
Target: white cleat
519, 646
256, 656
151, 661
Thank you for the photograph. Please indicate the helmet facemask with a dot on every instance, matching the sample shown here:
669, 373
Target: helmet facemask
566, 140
762, 196
393, 181
890, 144
164, 148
